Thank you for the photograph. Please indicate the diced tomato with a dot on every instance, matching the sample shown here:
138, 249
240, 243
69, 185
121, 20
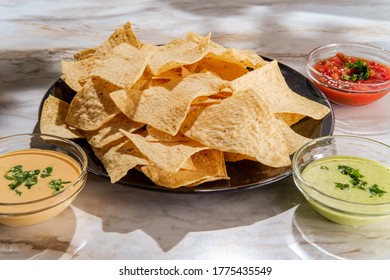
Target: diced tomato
338, 73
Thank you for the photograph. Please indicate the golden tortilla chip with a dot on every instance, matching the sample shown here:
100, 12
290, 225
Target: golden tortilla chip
226, 70
110, 131
74, 72
155, 135
123, 68
268, 82
124, 34
289, 118
188, 165
92, 106
169, 156
53, 116
119, 158
210, 166
177, 53
127, 101
251, 131
233, 157
174, 105
293, 139
243, 58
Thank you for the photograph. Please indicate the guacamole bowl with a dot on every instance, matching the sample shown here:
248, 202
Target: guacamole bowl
345, 178
41, 174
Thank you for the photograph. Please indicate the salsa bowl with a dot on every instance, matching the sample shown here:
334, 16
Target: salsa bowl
41, 174
350, 73
345, 178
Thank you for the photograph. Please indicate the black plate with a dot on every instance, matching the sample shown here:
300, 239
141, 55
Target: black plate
243, 174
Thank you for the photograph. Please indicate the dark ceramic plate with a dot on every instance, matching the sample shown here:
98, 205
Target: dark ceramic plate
243, 174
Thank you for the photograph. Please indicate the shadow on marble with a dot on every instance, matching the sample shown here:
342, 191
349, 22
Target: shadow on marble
319, 238
48, 240
19, 66
169, 217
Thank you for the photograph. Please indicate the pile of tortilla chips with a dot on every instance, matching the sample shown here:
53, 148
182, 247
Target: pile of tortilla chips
178, 112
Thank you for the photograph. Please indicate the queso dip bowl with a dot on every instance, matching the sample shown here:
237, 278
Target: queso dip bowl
40, 175
345, 178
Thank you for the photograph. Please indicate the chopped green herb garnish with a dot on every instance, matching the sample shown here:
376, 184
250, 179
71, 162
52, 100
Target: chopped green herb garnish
357, 182
19, 193
360, 184
346, 170
18, 176
31, 181
342, 186
47, 172
323, 167
376, 191
57, 184
361, 71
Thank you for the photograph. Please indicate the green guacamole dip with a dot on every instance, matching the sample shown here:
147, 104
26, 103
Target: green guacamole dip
366, 182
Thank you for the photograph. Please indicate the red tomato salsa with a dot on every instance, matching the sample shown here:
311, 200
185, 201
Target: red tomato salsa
350, 73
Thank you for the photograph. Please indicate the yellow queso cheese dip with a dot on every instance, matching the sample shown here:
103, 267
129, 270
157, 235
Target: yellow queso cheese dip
36, 185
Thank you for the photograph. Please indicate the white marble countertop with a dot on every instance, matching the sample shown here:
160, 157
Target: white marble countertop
118, 222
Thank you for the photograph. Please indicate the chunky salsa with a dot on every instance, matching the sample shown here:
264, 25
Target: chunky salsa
349, 73
352, 69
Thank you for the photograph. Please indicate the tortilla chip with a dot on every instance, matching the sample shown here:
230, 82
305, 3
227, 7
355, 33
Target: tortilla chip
251, 132
74, 72
124, 34
127, 101
119, 158
188, 165
174, 105
169, 156
53, 116
233, 157
289, 118
226, 70
243, 58
92, 106
268, 82
293, 139
123, 68
155, 135
210, 166
110, 131
177, 53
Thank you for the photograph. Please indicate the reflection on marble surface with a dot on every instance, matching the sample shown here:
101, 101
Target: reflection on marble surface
340, 241
118, 222
49, 240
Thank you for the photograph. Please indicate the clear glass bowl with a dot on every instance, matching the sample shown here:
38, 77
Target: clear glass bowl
341, 210
43, 208
344, 92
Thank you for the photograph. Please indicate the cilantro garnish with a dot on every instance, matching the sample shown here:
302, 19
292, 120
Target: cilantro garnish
375, 190
19, 176
360, 71
342, 186
357, 182
57, 184
46, 172
30, 178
